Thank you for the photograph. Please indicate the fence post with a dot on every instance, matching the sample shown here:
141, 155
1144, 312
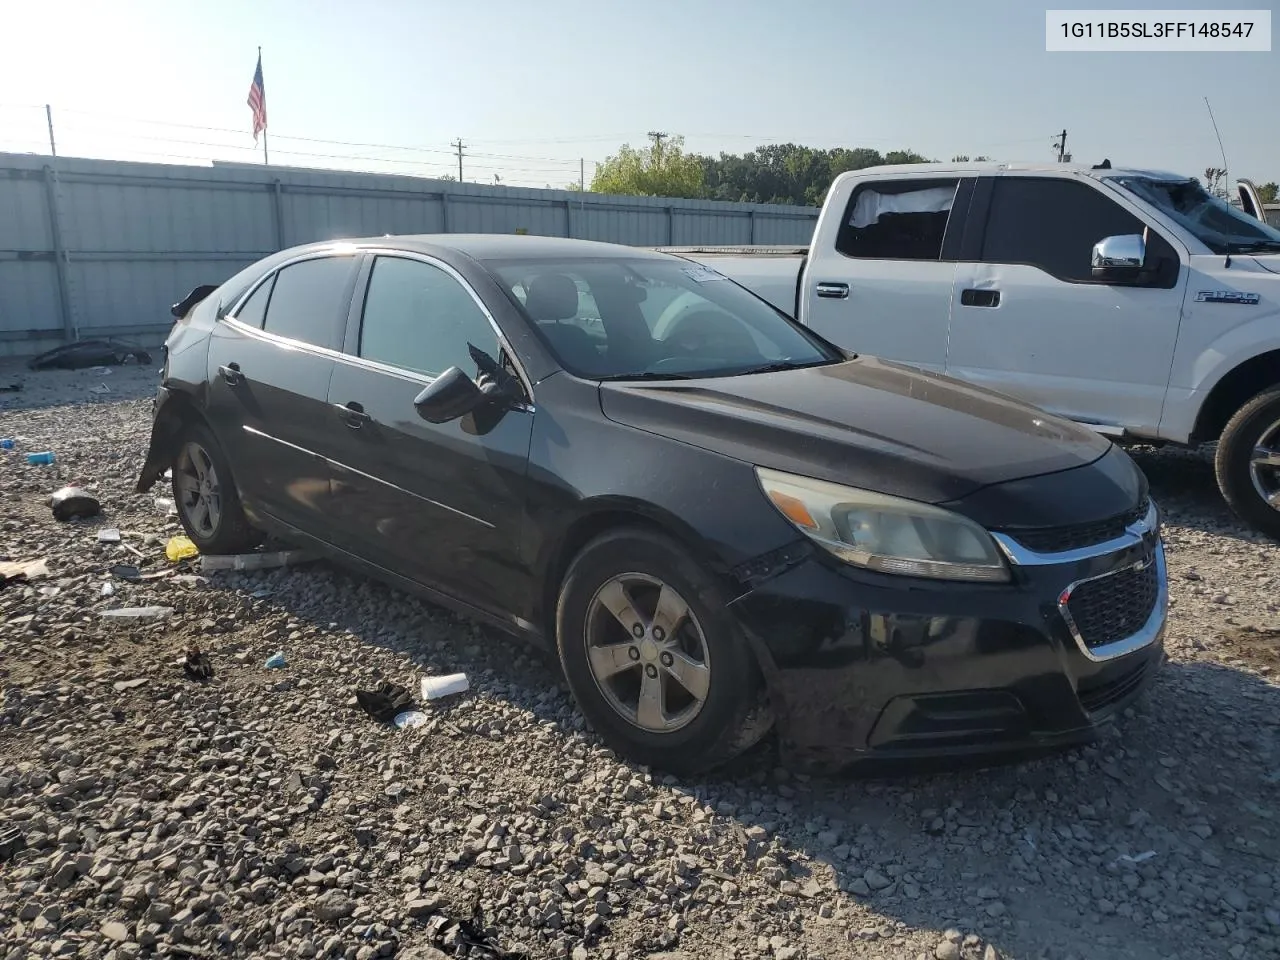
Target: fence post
277, 188
751, 219
568, 218
444, 212
59, 253
671, 226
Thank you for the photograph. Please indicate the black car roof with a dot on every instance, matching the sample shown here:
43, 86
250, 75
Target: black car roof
496, 246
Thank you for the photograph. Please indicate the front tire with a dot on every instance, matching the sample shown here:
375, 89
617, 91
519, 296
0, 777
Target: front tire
205, 493
1248, 462
654, 661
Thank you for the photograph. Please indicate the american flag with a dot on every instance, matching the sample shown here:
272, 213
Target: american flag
258, 101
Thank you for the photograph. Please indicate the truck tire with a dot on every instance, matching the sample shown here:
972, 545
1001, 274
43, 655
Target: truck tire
1248, 462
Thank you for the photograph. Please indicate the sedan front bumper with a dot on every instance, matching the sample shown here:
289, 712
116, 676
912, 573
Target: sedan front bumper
863, 666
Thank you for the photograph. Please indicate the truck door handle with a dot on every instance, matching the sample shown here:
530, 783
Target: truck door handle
353, 413
980, 298
231, 373
833, 291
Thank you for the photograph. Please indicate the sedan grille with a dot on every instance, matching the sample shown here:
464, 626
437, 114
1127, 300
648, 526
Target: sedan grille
1114, 607
1061, 539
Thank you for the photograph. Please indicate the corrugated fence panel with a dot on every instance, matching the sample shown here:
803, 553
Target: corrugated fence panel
24, 215
138, 236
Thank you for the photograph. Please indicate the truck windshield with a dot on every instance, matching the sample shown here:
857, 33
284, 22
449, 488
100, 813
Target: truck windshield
1214, 222
654, 319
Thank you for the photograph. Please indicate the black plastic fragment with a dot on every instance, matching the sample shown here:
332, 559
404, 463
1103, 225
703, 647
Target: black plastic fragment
384, 702
71, 502
88, 353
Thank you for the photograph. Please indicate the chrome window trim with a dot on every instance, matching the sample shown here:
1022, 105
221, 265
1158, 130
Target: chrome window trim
413, 376
1133, 535
416, 375
1149, 630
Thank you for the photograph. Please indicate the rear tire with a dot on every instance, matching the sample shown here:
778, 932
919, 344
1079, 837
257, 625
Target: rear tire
205, 493
654, 661
1247, 463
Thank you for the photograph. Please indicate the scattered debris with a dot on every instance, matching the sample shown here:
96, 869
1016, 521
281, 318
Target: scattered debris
433, 688
108, 535
276, 660
71, 502
386, 702
120, 686
127, 571
6, 443
258, 561
138, 613
88, 353
12, 842
23, 570
41, 459
108, 590
100, 389
166, 507
409, 719
14, 387
1138, 858
180, 548
197, 665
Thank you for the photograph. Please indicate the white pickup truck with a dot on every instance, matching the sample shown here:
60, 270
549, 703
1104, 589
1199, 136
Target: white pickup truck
1129, 300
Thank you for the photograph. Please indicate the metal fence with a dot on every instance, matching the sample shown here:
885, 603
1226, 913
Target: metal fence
101, 248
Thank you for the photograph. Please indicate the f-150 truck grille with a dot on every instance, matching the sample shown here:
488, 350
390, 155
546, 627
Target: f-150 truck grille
1061, 539
1114, 607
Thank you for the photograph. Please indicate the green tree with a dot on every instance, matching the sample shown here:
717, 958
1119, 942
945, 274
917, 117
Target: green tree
1269, 192
659, 170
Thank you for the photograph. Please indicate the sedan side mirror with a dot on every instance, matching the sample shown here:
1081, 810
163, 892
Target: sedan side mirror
451, 395
1119, 259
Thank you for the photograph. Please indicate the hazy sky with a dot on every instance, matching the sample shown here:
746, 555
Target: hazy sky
533, 86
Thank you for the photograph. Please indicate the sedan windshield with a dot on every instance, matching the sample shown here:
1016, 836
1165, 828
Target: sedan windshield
654, 319
1214, 222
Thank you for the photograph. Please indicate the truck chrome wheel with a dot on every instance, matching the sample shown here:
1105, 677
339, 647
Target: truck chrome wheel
1264, 466
200, 494
647, 653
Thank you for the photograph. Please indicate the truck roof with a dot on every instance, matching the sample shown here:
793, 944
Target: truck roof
1081, 169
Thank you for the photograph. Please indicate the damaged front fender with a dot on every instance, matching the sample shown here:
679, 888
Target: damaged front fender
166, 432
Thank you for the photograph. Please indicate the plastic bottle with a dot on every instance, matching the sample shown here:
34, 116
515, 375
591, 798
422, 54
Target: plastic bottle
44, 458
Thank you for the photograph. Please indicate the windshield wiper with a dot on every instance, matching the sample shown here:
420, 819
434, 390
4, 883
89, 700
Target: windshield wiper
1253, 246
779, 365
647, 375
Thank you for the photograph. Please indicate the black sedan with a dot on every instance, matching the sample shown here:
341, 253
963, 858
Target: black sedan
718, 520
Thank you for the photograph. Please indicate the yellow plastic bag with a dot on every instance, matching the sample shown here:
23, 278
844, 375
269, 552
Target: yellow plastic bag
180, 548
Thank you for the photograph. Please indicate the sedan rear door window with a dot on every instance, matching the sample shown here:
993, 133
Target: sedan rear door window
254, 310
310, 299
418, 317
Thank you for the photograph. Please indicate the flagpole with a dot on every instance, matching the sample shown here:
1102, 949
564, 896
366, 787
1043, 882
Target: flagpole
265, 161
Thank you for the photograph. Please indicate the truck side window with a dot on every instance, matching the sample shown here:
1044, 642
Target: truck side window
897, 220
1053, 224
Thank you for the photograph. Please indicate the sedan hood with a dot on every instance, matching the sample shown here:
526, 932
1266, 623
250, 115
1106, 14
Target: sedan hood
864, 422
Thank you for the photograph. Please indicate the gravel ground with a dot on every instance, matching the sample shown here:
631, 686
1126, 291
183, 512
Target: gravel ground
262, 815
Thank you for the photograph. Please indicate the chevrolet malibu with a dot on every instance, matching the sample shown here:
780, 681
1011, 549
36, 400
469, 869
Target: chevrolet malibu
720, 522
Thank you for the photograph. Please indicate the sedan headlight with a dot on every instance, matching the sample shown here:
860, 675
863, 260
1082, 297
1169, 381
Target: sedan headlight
883, 533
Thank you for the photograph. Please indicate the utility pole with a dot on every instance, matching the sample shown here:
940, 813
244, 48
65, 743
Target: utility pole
657, 136
459, 145
48, 115
582, 175
1060, 142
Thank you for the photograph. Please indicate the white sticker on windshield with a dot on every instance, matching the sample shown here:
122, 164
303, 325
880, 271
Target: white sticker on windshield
701, 274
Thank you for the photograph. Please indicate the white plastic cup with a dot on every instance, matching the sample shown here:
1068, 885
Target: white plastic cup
433, 688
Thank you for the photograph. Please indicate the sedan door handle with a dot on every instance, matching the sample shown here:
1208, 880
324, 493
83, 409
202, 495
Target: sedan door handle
231, 373
980, 298
833, 291
353, 413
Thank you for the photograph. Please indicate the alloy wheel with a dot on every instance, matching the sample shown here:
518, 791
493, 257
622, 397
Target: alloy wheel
200, 495
1264, 466
647, 653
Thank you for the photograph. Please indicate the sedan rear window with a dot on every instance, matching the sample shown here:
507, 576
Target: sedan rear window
613, 318
310, 301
